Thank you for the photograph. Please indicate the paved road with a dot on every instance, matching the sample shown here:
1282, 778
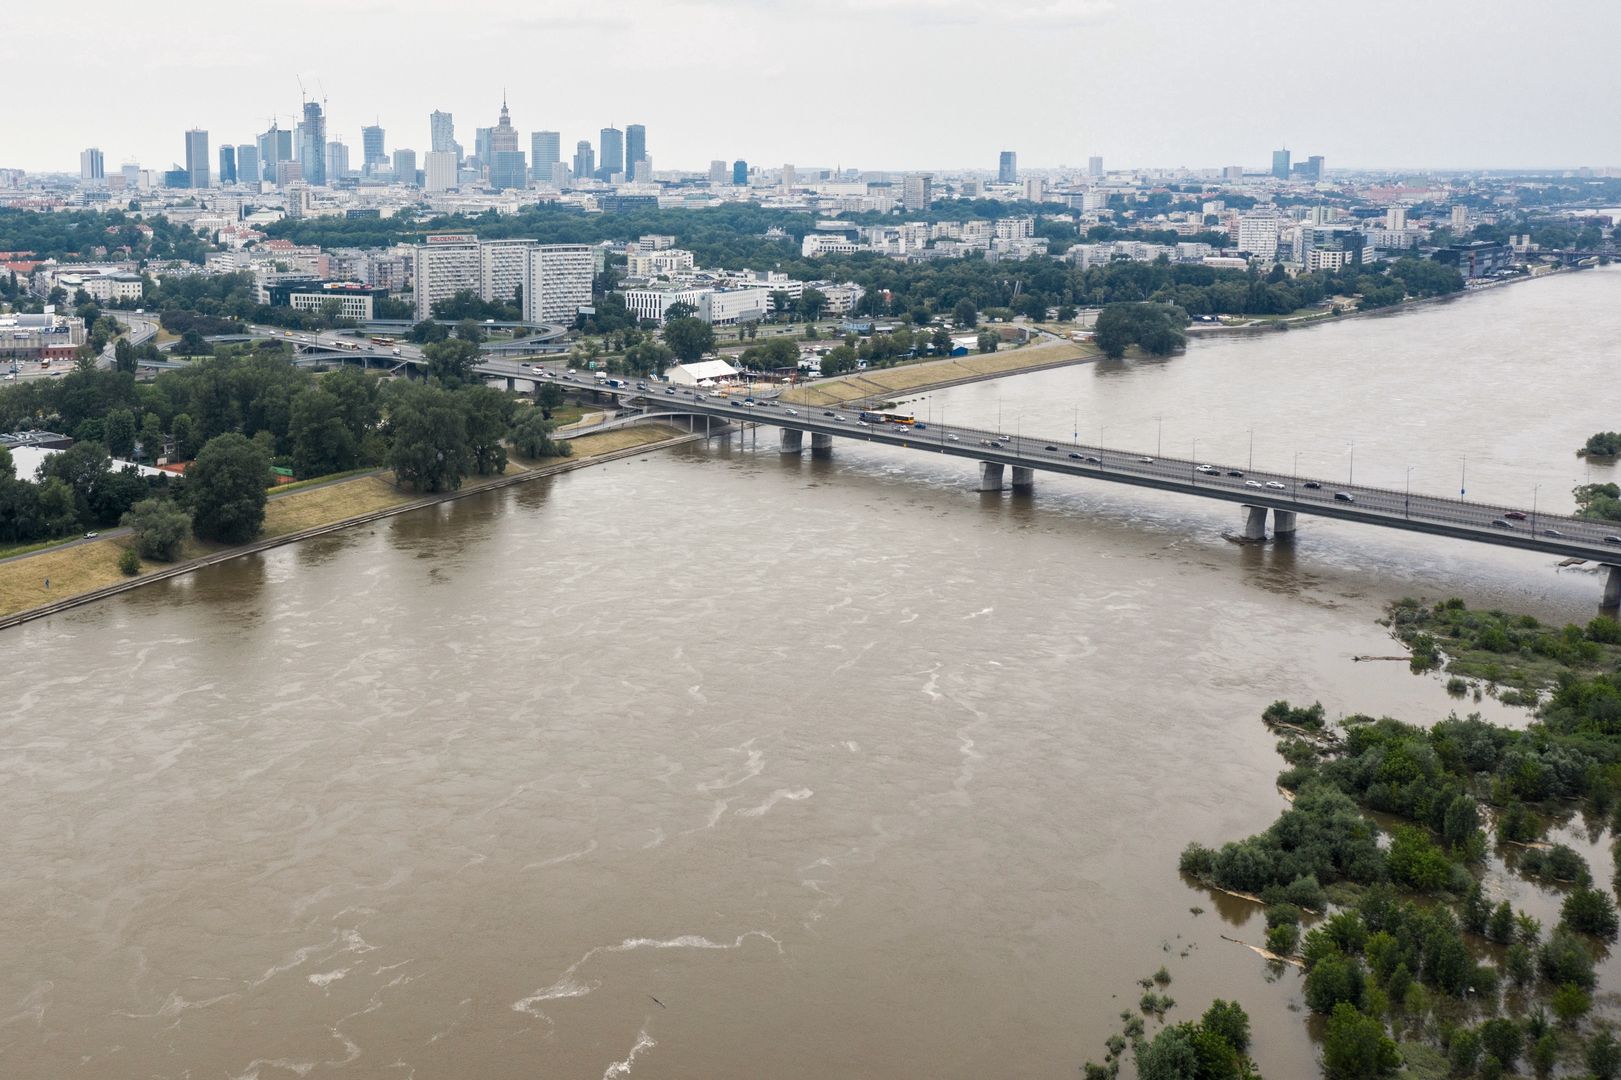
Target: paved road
1505, 526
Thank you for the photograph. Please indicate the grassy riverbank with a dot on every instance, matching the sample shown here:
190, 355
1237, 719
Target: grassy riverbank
930, 374
83, 567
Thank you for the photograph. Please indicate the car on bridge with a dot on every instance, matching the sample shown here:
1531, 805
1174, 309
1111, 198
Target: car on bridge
1235, 472
1208, 469
1275, 486
1314, 485
1499, 523
1514, 515
1344, 496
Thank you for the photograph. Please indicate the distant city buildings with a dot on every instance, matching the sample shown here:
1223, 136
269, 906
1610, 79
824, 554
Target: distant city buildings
197, 167
312, 144
611, 147
545, 151
92, 166
554, 280
916, 193
1280, 164
1007, 169
373, 157
585, 159
441, 133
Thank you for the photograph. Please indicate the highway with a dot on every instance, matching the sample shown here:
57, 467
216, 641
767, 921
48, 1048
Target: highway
1504, 526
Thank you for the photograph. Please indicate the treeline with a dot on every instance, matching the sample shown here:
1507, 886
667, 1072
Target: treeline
91, 235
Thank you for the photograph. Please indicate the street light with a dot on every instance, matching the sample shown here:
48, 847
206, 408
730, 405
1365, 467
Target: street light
1407, 498
1463, 475
1252, 450
1193, 470
1159, 439
1536, 488
1351, 473
1294, 479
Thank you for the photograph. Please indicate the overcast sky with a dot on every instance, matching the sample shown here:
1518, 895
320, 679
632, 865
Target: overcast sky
872, 84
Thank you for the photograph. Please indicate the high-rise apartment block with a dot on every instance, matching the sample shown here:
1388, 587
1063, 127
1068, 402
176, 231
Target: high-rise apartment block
1007, 170
916, 193
197, 168
1396, 218
1258, 235
555, 279
439, 170
1094, 167
92, 166
441, 133
718, 173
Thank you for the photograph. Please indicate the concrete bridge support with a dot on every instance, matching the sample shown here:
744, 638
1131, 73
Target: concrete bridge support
1024, 479
1283, 524
792, 442
990, 476
821, 445
1612, 587
1254, 522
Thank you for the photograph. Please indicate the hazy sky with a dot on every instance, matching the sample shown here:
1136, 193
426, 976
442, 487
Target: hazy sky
874, 84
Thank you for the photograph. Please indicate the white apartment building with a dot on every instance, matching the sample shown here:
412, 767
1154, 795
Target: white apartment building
1258, 235
442, 266
1396, 218
559, 280
1014, 228
503, 268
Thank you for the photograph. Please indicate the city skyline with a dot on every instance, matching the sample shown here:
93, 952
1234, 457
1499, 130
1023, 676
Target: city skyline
1408, 111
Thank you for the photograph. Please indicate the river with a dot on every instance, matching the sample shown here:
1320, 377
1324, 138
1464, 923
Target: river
717, 763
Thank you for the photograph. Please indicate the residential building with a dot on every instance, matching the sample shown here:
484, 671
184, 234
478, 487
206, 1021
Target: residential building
1396, 218
248, 169
92, 166
916, 194
503, 266
1007, 170
635, 145
559, 282
373, 158
441, 133
1094, 167
585, 159
1460, 219
611, 143
1316, 171
289, 172
443, 265
1280, 164
227, 161
197, 169
1035, 189
718, 174
740, 173
545, 150
656, 263
1258, 236
405, 167
439, 169
312, 144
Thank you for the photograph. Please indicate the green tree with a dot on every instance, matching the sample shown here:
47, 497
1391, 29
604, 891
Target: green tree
322, 442
1604, 1056
468, 330
226, 488
965, 313
532, 436
689, 338
129, 563
1229, 1020
548, 396
488, 415
1355, 1047
119, 432
430, 449
1563, 959
151, 437
160, 528
1590, 911
1170, 1055
988, 341
1502, 1039
123, 355
1570, 1003
57, 511
451, 361
1332, 980
1603, 444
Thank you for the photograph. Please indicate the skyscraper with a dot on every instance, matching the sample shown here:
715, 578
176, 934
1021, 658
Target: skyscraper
197, 158
717, 172
439, 170
92, 166
481, 144
740, 173
503, 136
441, 132
545, 150
337, 161
1007, 170
1094, 166
275, 146
507, 169
1315, 167
1280, 164
612, 142
312, 144
227, 164
248, 169
635, 146
585, 160
372, 153
405, 166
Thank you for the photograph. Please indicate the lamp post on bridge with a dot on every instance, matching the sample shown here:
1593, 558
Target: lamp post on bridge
1159, 438
1535, 488
1252, 450
1294, 479
1407, 497
1193, 466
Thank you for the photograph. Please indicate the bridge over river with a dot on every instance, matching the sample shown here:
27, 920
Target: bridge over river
1012, 460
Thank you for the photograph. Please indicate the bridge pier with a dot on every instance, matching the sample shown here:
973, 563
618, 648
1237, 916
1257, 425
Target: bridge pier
792, 440
1254, 522
821, 445
1612, 588
1024, 479
1283, 524
990, 476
